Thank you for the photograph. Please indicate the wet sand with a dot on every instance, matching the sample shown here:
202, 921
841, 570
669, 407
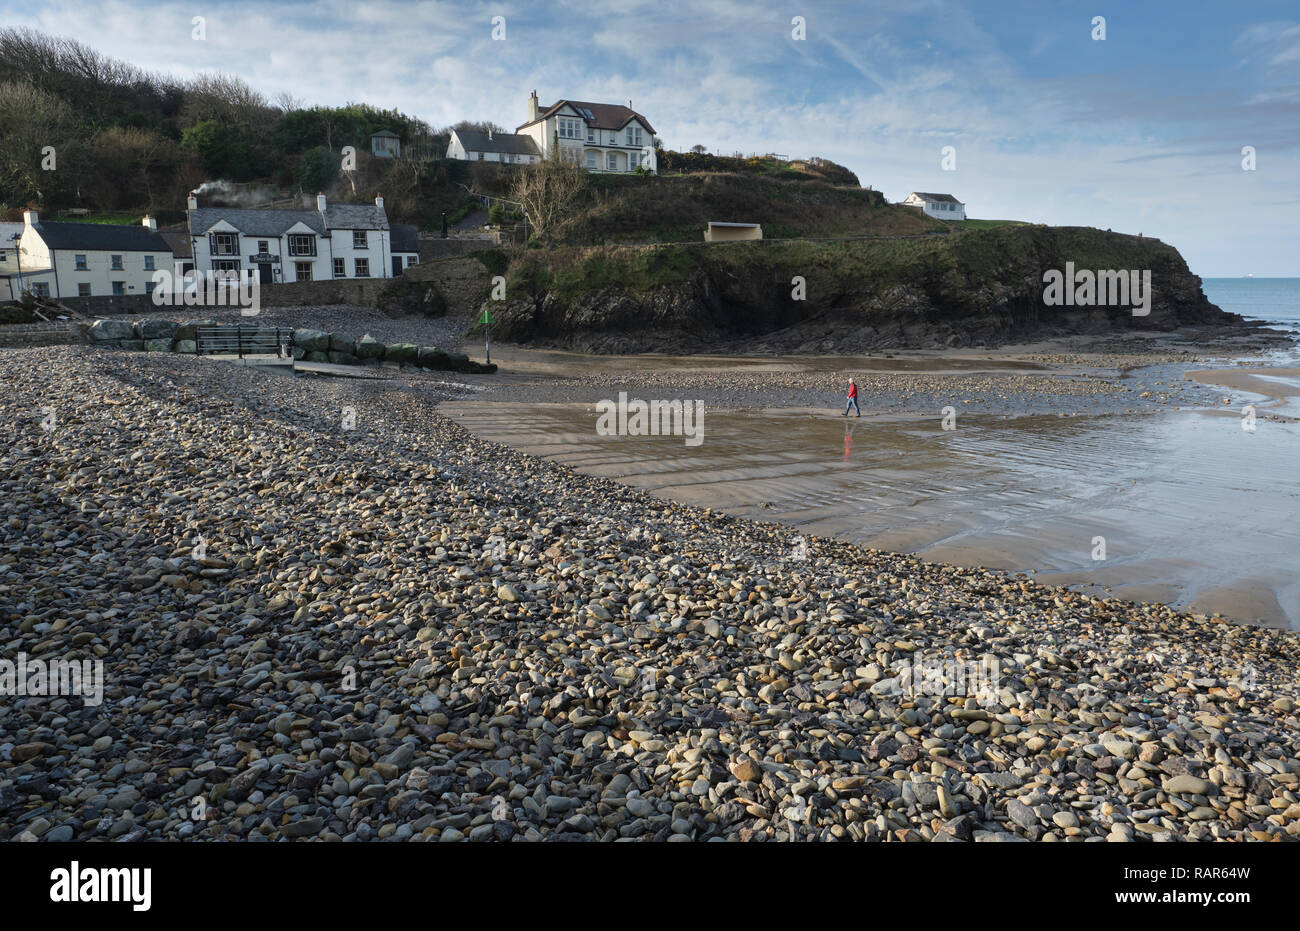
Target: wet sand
1195, 511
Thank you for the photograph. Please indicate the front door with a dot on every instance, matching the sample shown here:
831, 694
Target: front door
264, 273
397, 266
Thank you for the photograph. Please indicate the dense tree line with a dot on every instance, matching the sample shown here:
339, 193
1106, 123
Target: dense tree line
122, 139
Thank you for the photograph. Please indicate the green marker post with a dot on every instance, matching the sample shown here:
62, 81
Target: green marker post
486, 320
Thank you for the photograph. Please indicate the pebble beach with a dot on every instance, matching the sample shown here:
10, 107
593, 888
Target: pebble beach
397, 631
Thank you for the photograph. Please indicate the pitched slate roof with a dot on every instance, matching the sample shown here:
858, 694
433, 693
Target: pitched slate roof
938, 198
386, 132
406, 237
355, 217
100, 237
603, 115
179, 240
503, 143
253, 222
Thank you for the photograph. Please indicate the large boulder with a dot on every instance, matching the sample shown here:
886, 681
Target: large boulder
341, 342
312, 340
370, 348
135, 345
402, 352
297, 352
103, 330
342, 358
430, 357
186, 345
316, 356
155, 329
157, 345
189, 329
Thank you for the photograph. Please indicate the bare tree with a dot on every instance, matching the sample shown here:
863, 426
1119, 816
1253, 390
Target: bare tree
549, 191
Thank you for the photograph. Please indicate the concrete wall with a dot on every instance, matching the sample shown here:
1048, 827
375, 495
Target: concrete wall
732, 233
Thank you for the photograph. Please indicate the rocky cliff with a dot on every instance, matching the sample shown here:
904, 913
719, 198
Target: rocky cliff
970, 288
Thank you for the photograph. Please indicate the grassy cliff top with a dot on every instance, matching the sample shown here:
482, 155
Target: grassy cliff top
676, 208
999, 253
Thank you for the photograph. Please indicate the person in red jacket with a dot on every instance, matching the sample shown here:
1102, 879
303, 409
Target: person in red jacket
853, 399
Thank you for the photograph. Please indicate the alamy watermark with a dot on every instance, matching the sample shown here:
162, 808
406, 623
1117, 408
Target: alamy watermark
58, 677
235, 288
651, 418
1103, 288
946, 677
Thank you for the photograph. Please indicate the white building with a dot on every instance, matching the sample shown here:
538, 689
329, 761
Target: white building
406, 246
598, 136
332, 241
64, 260
510, 148
939, 206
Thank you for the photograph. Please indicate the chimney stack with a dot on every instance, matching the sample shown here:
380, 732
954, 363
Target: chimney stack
533, 111
320, 203
31, 218
150, 224
192, 202
489, 134
379, 201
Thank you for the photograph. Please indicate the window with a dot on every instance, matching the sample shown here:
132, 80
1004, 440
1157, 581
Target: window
263, 246
81, 263
41, 288
149, 286
117, 263
611, 161
634, 159
571, 129
226, 265
148, 263
359, 239
83, 290
634, 135
223, 243
480, 156
302, 244
340, 269
591, 134
411, 260
302, 271
362, 267
591, 160
119, 287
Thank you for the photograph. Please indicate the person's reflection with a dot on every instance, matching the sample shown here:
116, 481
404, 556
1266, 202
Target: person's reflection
848, 438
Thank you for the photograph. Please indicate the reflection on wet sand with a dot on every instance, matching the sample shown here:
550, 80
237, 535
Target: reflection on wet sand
1193, 510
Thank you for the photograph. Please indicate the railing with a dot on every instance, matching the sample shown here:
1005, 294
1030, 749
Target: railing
243, 340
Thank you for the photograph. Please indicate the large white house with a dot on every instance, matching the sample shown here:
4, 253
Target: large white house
598, 136
510, 148
939, 206
63, 260
332, 241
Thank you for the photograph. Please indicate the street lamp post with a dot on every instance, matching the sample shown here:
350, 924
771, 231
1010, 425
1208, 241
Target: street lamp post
18, 254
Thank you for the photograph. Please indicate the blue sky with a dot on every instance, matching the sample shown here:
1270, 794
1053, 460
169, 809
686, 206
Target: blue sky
1141, 132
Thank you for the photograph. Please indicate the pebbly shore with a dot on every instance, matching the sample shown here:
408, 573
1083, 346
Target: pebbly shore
325, 611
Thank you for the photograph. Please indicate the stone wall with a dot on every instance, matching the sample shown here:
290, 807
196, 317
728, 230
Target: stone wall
463, 283
109, 305
362, 292
433, 249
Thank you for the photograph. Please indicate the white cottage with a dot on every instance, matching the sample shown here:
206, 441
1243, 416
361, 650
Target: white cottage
63, 260
332, 241
511, 148
602, 137
939, 206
